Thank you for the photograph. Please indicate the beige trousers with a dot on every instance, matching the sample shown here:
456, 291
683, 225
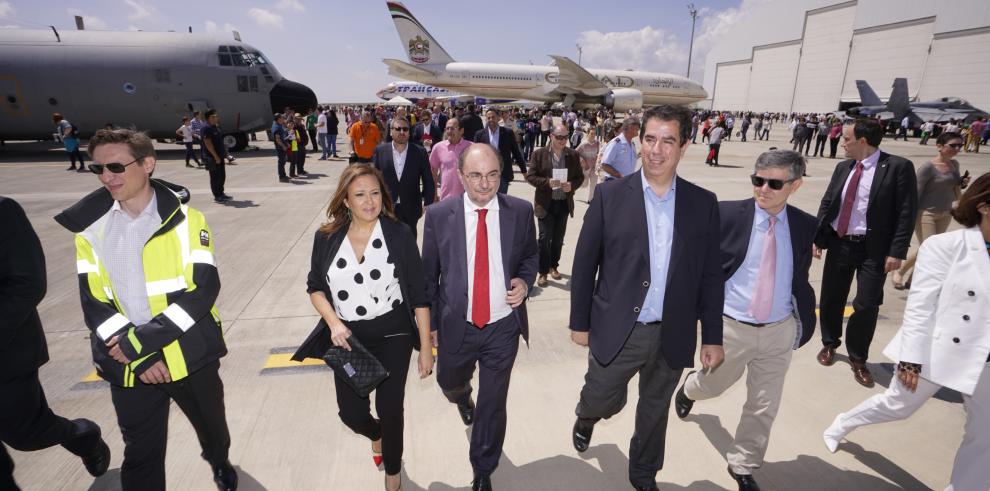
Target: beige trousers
764, 353
928, 224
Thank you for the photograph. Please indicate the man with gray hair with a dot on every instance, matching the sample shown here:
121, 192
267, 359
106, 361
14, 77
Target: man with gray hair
619, 156
769, 308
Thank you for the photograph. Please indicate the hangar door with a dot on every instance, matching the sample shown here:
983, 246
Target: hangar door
731, 86
824, 54
958, 67
771, 82
881, 54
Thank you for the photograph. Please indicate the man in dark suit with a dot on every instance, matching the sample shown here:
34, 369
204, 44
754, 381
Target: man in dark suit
769, 306
26, 421
865, 220
405, 167
438, 123
471, 123
504, 140
480, 258
653, 240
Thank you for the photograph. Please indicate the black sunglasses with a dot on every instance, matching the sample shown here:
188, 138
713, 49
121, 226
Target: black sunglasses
775, 184
561, 137
115, 167
402, 129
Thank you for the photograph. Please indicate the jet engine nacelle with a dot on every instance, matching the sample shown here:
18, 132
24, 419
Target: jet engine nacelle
624, 100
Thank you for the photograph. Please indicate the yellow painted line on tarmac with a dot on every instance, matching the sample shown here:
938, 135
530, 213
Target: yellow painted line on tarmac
845, 313
92, 377
283, 360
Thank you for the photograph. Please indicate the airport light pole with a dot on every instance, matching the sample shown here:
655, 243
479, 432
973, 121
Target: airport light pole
694, 16
579, 53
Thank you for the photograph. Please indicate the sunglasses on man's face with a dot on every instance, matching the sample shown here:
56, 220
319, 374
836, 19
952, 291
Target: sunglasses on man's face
775, 184
402, 129
560, 137
115, 167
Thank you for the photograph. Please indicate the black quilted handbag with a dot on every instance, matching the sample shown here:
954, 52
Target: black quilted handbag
358, 367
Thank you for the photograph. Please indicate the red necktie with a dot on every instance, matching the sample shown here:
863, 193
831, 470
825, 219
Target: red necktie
849, 200
480, 310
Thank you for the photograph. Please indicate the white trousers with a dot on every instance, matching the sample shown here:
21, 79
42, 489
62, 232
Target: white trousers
971, 468
764, 353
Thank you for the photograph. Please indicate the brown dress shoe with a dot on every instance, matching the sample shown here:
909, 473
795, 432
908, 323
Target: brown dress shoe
862, 374
827, 355
555, 274
542, 281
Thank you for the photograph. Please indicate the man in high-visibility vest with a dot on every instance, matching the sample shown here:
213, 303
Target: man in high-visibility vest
148, 283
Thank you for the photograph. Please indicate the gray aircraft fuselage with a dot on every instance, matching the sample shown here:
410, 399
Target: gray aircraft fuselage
141, 80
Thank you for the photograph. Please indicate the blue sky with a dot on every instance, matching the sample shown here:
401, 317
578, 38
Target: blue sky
336, 47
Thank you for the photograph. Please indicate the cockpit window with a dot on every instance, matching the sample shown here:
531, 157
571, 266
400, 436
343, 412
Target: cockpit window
238, 56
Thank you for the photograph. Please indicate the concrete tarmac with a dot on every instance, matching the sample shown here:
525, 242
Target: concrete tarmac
285, 431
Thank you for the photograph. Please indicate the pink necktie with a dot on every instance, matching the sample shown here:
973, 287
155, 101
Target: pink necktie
759, 307
849, 201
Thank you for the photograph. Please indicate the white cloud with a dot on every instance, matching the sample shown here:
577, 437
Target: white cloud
90, 21
713, 26
266, 18
6, 9
138, 10
291, 5
212, 27
645, 49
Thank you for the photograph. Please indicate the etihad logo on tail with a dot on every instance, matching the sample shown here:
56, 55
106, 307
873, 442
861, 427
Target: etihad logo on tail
419, 50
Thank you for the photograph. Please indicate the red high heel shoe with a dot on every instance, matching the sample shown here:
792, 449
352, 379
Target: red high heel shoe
376, 456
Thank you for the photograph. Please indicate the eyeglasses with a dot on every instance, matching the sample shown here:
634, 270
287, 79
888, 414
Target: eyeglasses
561, 137
955, 146
475, 177
402, 129
115, 167
775, 184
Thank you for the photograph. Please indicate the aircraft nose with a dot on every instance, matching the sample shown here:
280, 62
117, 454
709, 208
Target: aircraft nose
292, 94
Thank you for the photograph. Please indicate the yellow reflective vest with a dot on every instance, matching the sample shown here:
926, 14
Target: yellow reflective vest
181, 280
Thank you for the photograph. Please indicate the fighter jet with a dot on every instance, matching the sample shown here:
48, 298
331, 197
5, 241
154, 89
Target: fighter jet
899, 105
141, 80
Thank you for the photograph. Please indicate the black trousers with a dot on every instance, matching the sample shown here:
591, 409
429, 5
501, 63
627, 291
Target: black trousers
408, 216
218, 176
142, 413
494, 350
312, 138
833, 147
552, 228
27, 424
298, 161
281, 156
820, 145
190, 153
842, 261
606, 387
388, 338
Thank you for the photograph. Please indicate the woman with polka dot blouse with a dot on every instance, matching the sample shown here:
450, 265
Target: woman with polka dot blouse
366, 281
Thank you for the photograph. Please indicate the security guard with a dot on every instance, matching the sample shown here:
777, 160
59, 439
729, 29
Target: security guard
26, 421
148, 284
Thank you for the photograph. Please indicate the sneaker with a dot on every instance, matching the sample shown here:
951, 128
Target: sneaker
284, 179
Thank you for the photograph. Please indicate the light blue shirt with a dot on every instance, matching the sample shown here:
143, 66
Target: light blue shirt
621, 155
660, 225
741, 287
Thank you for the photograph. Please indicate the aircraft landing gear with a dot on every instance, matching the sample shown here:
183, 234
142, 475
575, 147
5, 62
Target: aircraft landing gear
235, 142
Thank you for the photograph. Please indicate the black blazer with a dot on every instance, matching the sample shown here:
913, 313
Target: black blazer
445, 262
737, 223
508, 149
437, 128
401, 247
611, 273
22, 286
892, 211
407, 194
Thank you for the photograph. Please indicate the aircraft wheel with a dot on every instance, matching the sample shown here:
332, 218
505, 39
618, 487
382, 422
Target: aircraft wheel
235, 142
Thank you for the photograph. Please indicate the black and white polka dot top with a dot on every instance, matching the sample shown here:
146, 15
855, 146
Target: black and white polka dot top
364, 288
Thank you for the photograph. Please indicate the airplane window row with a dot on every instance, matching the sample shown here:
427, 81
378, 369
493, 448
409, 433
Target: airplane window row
501, 77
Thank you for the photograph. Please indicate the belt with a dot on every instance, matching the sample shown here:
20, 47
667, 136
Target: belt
651, 324
853, 238
752, 324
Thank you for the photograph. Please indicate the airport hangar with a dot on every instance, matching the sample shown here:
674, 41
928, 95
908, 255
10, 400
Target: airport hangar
805, 55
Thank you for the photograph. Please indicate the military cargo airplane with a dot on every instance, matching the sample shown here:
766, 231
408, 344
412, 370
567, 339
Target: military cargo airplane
899, 105
568, 82
144, 80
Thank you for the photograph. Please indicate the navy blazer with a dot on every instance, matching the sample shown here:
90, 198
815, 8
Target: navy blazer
737, 227
407, 192
508, 149
445, 262
611, 273
23, 284
891, 213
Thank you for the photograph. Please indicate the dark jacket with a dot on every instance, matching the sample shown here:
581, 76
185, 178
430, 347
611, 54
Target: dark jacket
401, 246
471, 123
406, 193
891, 214
541, 171
508, 149
737, 227
22, 286
611, 273
437, 127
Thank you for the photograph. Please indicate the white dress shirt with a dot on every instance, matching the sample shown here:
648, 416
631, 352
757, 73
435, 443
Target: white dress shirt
496, 274
123, 249
399, 160
857, 220
493, 137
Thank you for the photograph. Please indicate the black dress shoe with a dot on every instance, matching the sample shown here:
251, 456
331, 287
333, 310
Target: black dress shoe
745, 481
481, 482
645, 487
581, 437
225, 477
90, 447
682, 404
467, 412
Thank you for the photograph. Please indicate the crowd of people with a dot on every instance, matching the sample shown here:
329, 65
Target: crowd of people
739, 269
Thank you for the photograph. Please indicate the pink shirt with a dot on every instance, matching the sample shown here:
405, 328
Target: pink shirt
443, 158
